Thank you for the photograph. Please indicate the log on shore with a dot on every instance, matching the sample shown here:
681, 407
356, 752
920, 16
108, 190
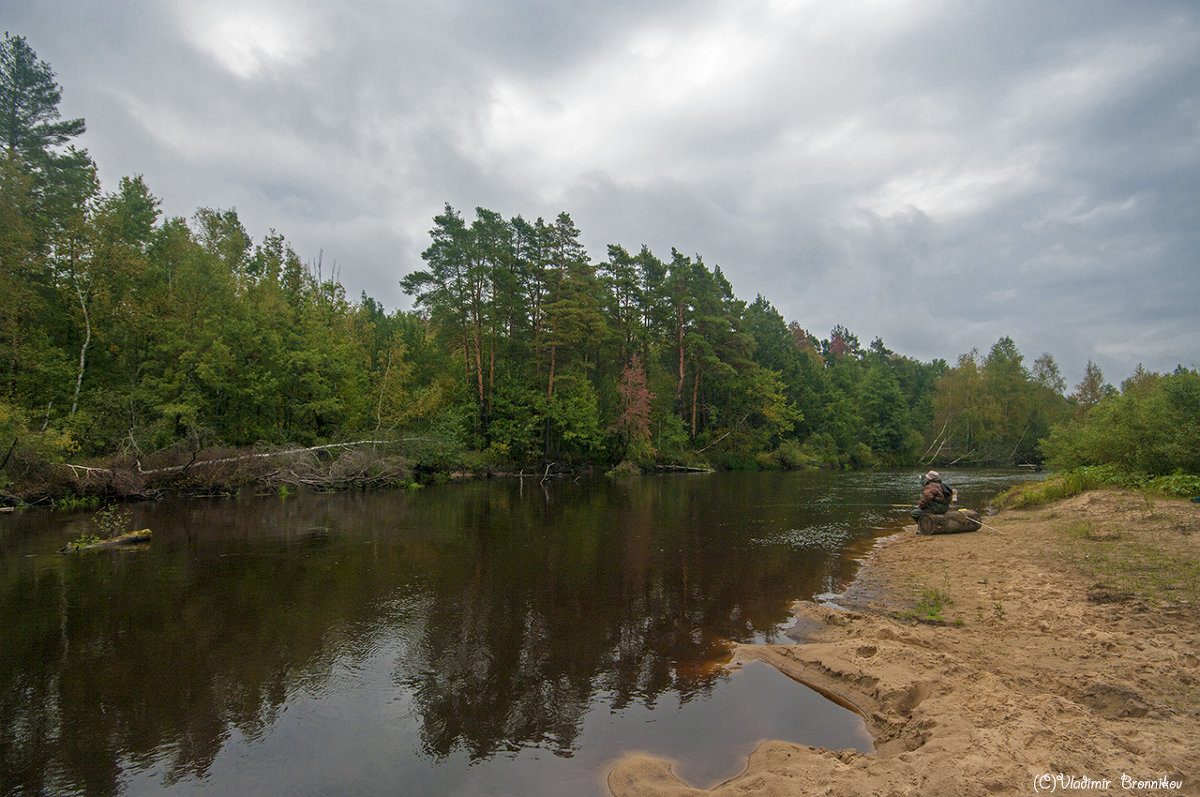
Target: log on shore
952, 522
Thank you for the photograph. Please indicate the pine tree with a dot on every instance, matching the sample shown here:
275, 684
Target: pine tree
44, 193
29, 97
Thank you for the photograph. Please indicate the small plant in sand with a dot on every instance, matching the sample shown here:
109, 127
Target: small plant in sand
929, 605
932, 601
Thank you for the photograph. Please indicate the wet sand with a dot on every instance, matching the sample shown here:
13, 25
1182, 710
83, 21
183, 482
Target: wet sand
1031, 677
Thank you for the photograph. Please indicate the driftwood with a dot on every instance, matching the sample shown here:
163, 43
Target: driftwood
245, 457
84, 469
266, 455
731, 430
951, 522
936, 439
353, 470
129, 538
967, 455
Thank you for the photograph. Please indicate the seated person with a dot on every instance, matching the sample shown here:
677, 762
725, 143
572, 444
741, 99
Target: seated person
935, 496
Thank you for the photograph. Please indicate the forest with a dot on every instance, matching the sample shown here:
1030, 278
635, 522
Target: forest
127, 337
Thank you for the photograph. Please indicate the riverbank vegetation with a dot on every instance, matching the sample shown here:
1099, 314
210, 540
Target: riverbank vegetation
1075, 481
162, 350
1146, 436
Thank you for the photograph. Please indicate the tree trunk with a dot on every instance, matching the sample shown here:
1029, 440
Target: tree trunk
679, 346
382, 388
479, 362
491, 388
87, 341
550, 396
695, 401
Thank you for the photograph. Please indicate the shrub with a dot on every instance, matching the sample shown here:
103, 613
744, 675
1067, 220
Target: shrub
822, 448
863, 457
1180, 485
1152, 427
624, 469
768, 460
791, 456
1094, 477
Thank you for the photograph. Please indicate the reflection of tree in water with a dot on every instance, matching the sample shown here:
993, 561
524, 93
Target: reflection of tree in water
125, 661
577, 601
518, 615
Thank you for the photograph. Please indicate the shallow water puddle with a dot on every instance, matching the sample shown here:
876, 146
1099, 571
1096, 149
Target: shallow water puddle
710, 737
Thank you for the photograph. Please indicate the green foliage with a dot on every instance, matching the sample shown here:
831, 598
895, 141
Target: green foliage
125, 333
1177, 485
1063, 485
993, 410
1092, 390
822, 449
791, 456
768, 460
29, 97
573, 416
1152, 427
1094, 477
624, 469
74, 503
517, 423
883, 410
739, 461
111, 521
671, 438
861, 456
19, 443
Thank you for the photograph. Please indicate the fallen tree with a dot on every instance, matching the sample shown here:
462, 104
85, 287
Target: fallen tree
354, 464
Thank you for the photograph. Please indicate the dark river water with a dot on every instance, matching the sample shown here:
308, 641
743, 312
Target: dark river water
488, 638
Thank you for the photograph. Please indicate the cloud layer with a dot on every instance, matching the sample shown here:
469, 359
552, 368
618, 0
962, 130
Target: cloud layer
938, 174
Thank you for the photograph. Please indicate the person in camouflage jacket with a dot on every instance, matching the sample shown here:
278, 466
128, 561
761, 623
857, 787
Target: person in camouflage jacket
935, 496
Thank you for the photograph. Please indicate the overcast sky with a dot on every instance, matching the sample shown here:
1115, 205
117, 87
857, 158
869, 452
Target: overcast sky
937, 174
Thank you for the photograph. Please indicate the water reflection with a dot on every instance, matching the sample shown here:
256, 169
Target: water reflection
449, 626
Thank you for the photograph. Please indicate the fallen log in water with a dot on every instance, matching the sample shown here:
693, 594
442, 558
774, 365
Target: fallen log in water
684, 469
127, 539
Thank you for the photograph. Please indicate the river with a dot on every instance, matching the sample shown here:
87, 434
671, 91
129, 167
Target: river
499, 637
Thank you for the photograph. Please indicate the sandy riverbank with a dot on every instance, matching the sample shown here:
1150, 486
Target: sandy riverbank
1050, 671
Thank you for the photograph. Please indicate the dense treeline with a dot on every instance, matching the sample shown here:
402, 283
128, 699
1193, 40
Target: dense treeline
1152, 426
125, 333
